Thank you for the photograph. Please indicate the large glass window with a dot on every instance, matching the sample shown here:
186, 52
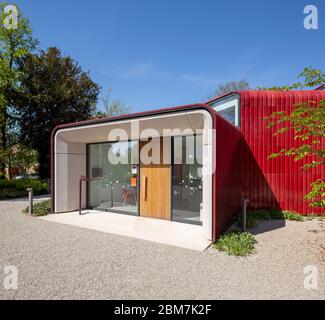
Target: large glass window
114, 168
187, 179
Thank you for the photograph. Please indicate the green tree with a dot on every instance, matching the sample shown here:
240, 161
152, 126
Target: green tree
22, 157
54, 90
307, 121
112, 108
15, 43
17, 155
310, 77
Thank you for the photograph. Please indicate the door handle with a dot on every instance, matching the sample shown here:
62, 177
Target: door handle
144, 189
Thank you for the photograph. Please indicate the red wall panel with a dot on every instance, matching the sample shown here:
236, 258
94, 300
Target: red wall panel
228, 148
279, 183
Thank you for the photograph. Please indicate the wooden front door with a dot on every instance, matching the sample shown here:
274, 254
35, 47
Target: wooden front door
155, 187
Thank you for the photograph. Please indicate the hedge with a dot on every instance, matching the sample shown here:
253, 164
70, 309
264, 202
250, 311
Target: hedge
10, 189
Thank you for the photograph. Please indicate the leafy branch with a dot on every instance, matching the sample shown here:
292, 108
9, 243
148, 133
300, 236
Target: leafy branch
307, 121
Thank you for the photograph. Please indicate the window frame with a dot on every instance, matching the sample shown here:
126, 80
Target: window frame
222, 105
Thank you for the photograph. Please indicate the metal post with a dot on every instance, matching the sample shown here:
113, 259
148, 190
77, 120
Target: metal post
80, 195
245, 202
30, 200
48, 186
112, 202
81, 180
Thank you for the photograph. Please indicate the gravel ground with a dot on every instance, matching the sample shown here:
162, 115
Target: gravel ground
62, 262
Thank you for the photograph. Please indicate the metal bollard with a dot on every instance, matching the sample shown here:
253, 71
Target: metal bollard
244, 202
48, 186
30, 200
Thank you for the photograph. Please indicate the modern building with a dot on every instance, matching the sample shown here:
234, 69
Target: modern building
191, 164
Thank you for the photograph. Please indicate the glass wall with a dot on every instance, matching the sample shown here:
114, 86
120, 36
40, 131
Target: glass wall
187, 179
114, 168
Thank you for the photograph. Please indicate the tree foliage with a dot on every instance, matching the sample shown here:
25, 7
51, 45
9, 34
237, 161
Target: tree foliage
17, 155
54, 90
232, 86
112, 108
310, 77
307, 121
14, 45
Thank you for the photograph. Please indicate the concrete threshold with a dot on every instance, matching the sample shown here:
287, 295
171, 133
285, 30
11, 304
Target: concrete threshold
160, 231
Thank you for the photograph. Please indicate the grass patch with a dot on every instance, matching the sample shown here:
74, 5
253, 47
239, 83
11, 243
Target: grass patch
254, 217
236, 243
286, 215
40, 209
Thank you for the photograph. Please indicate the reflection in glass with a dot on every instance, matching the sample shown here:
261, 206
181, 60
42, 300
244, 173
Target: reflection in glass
115, 169
229, 114
187, 179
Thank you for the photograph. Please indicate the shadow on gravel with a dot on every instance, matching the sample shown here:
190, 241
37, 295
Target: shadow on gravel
267, 226
321, 226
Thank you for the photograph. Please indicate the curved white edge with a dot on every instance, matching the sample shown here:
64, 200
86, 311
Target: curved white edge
73, 162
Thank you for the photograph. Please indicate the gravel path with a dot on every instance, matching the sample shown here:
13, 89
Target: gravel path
62, 262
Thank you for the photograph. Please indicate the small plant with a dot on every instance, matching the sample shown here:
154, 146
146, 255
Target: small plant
288, 215
236, 243
40, 209
254, 217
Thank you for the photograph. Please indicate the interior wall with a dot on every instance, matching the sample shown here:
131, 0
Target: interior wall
70, 164
207, 174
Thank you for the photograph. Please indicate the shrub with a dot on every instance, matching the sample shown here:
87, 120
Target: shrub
17, 188
285, 215
255, 216
40, 209
236, 243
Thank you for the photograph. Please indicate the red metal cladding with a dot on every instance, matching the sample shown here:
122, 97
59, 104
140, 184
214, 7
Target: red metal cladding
279, 183
228, 188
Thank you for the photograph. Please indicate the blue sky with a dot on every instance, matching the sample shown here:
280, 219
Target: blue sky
159, 53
